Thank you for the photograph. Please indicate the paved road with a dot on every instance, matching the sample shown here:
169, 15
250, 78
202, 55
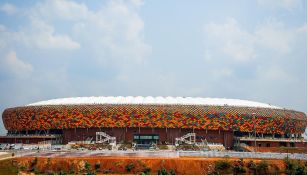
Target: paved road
167, 154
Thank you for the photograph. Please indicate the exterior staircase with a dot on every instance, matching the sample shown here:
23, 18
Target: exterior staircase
102, 137
246, 147
189, 138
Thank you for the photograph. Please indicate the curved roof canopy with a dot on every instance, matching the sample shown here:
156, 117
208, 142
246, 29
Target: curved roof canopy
153, 101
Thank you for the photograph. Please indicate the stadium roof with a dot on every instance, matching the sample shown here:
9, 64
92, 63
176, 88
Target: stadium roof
153, 101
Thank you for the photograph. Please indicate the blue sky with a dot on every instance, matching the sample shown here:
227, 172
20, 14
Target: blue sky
253, 50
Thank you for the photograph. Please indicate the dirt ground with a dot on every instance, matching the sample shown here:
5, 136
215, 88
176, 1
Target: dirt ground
118, 165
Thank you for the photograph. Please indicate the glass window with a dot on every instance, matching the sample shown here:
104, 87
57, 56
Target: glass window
156, 137
146, 137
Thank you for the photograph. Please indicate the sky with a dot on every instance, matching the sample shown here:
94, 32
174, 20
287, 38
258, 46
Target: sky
253, 50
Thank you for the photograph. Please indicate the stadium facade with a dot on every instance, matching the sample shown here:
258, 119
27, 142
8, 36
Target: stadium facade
155, 119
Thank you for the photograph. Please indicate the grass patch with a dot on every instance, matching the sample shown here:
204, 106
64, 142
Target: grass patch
7, 167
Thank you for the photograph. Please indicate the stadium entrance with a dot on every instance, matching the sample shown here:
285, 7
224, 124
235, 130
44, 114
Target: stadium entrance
146, 138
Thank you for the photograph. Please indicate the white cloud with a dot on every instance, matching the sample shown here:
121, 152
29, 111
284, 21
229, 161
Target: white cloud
241, 45
60, 9
274, 73
221, 73
302, 30
8, 8
41, 35
16, 66
274, 36
113, 34
230, 39
285, 4
3, 36
240, 52
37, 34
277, 66
137, 3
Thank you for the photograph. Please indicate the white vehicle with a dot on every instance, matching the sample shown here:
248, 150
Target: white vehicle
35, 148
18, 147
12, 146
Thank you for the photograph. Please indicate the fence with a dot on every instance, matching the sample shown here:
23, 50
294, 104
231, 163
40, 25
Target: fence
242, 155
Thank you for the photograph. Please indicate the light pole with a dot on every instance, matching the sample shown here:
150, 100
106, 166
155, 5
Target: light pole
254, 118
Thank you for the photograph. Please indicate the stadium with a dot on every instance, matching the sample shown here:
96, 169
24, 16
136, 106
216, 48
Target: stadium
159, 120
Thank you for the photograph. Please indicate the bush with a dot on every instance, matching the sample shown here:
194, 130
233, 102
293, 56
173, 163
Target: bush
130, 167
97, 166
146, 170
252, 166
33, 165
90, 173
294, 167
290, 166
163, 147
275, 169
87, 166
222, 165
71, 169
238, 170
125, 146
262, 167
22, 168
300, 171
62, 173
214, 173
162, 171
34, 162
108, 171
172, 172
238, 167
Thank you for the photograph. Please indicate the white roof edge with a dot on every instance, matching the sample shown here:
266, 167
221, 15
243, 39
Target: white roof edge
154, 101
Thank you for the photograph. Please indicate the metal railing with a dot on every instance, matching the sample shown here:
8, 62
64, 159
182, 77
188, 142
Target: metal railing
189, 138
210, 154
32, 135
271, 139
233, 154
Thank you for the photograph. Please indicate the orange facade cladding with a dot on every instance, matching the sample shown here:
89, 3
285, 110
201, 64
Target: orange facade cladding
227, 118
